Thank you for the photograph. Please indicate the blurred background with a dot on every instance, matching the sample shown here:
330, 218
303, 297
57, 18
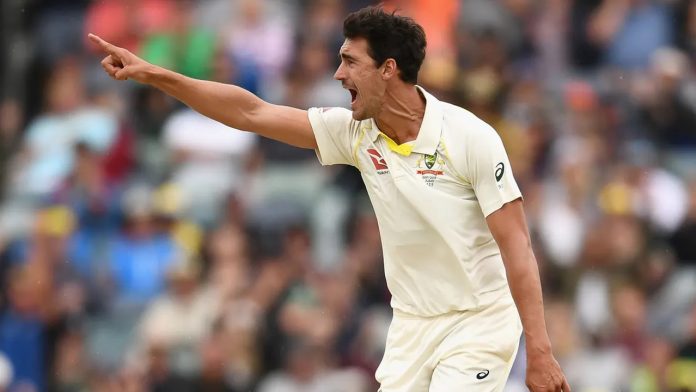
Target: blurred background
144, 247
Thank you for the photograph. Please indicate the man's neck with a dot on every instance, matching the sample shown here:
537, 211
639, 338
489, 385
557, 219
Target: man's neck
402, 113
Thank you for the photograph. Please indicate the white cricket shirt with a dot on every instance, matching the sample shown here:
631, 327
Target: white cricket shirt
431, 197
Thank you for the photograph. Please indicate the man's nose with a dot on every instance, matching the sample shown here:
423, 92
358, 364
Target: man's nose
339, 74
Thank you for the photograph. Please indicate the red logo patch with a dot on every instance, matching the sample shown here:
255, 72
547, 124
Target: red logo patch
377, 160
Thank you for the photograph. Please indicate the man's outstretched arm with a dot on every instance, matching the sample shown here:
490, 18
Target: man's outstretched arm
228, 104
509, 228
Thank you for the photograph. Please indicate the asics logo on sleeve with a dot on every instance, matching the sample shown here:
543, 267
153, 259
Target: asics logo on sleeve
499, 171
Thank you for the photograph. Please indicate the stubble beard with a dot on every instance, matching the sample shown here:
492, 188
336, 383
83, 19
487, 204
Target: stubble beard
369, 109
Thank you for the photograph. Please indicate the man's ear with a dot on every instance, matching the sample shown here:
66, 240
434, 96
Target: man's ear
389, 69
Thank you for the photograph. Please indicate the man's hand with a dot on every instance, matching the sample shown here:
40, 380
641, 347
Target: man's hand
121, 64
544, 374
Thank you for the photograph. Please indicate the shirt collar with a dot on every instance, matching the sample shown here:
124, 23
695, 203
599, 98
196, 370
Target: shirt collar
429, 133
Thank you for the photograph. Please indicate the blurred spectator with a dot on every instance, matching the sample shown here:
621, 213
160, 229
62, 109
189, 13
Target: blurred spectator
242, 331
213, 376
141, 254
363, 260
305, 370
630, 329
179, 319
438, 20
550, 33
310, 82
230, 279
229, 269
630, 30
151, 109
125, 23
667, 100
209, 160
281, 281
264, 40
477, 16
181, 45
324, 21
48, 146
95, 202
21, 331
646, 191
653, 375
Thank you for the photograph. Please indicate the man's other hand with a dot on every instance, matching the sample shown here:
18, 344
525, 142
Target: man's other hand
544, 374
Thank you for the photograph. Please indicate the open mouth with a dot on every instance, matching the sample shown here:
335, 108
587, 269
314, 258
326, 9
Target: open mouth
353, 95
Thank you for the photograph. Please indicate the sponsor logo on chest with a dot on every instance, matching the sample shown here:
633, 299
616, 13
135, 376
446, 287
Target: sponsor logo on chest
378, 161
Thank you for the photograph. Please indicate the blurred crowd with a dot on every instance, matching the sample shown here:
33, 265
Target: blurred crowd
144, 247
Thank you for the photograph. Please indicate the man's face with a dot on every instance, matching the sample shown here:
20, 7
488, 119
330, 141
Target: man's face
359, 75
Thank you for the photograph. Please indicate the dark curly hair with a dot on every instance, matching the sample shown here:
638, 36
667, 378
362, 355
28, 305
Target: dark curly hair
389, 36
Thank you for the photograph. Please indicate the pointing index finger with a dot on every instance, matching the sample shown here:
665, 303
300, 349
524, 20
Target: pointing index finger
111, 49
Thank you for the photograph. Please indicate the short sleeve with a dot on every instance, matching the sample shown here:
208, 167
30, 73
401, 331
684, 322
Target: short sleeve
489, 171
336, 134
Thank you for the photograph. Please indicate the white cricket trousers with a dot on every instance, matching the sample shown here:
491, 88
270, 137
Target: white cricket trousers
469, 351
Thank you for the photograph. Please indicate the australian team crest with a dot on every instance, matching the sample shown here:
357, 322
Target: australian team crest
430, 160
433, 168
